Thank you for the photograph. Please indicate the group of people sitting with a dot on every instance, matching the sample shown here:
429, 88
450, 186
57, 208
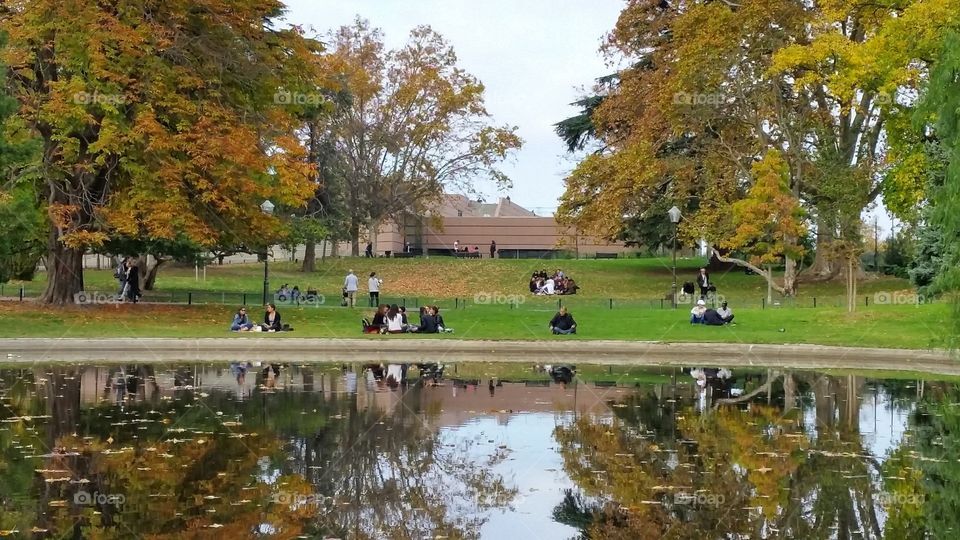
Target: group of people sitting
701, 314
393, 320
271, 321
294, 294
541, 283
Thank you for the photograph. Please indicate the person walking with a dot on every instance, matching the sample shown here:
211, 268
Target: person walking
350, 286
493, 249
132, 287
456, 246
373, 284
120, 274
703, 280
369, 251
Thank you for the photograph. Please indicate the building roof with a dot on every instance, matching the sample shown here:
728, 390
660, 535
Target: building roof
456, 205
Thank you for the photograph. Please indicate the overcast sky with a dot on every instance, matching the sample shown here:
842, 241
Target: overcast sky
532, 55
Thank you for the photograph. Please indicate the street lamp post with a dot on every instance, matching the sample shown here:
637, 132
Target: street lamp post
674, 214
267, 208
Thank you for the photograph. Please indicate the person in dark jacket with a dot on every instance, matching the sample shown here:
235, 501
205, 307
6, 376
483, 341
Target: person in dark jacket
271, 320
428, 322
563, 323
703, 281
712, 318
133, 281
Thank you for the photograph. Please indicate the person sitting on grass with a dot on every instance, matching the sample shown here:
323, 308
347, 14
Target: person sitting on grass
428, 321
394, 320
441, 326
241, 322
563, 323
379, 320
725, 313
271, 320
697, 313
712, 318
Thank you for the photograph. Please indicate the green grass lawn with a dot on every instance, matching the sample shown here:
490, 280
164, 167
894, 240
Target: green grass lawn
637, 282
911, 327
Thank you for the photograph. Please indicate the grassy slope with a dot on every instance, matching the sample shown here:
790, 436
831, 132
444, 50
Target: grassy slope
877, 326
445, 278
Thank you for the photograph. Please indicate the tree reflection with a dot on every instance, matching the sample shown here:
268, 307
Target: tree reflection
284, 463
746, 468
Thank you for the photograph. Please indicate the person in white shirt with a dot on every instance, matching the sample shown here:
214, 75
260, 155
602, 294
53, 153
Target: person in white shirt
373, 284
725, 313
548, 286
350, 286
697, 313
394, 320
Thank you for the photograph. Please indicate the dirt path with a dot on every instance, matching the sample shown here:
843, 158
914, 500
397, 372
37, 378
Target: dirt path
414, 350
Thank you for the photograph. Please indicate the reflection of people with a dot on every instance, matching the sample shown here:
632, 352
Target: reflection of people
241, 322
563, 323
697, 313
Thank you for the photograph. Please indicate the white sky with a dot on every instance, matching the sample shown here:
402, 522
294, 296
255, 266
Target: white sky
532, 55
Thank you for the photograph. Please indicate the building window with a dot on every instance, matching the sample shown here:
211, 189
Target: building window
459, 213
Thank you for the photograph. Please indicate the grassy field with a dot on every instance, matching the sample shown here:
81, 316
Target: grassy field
638, 282
918, 327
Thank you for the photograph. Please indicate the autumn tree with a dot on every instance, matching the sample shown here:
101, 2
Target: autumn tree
768, 224
416, 125
156, 121
716, 85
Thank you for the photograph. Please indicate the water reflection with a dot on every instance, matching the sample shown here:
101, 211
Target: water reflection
474, 451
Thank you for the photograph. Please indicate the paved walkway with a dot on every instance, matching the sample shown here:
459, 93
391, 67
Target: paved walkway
28, 350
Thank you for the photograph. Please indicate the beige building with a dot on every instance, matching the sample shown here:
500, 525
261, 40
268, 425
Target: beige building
517, 231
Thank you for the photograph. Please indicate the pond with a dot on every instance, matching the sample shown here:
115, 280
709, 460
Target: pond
474, 450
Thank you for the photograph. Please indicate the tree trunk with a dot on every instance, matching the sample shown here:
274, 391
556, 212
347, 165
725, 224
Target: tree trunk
149, 273
64, 271
766, 274
355, 238
769, 284
825, 261
372, 227
309, 257
789, 277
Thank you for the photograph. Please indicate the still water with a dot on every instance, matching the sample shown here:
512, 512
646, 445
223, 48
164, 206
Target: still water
366, 451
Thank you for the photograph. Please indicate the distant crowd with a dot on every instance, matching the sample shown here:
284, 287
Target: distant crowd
542, 283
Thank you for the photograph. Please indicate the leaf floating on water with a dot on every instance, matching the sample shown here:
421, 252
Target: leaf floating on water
214, 526
57, 504
10, 532
52, 480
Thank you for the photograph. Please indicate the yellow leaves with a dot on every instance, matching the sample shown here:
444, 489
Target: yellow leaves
769, 220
